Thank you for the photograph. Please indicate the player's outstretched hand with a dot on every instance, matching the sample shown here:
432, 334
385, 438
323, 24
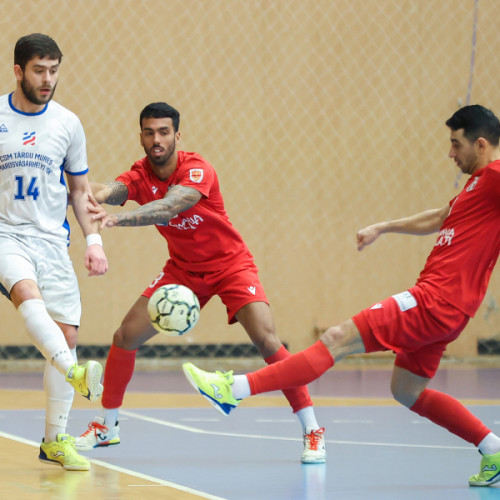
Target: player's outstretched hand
107, 220
95, 260
367, 235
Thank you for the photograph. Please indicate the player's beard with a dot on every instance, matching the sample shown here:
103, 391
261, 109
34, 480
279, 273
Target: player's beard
30, 93
162, 160
468, 164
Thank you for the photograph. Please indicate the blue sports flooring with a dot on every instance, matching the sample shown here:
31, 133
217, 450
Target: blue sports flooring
374, 452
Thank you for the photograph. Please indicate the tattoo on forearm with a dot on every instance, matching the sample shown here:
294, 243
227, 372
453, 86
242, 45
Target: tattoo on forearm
118, 194
177, 200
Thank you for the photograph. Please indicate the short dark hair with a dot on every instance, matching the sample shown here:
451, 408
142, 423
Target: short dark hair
161, 110
477, 121
35, 45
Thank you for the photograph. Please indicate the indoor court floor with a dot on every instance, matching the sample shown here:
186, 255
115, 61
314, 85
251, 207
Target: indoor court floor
176, 446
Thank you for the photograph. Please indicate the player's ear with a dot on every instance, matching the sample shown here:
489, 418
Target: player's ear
481, 144
18, 72
140, 139
177, 137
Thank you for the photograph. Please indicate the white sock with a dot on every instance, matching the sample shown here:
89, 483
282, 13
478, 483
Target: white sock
490, 444
307, 418
111, 417
240, 387
46, 335
59, 399
241, 390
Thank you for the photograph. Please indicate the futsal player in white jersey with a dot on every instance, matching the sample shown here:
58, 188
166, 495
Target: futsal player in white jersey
42, 156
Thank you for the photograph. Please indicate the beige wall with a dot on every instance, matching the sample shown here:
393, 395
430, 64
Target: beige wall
320, 117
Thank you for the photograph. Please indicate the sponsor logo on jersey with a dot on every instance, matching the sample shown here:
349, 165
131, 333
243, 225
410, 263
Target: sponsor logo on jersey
3, 128
252, 290
377, 306
472, 185
186, 222
445, 237
29, 138
196, 174
154, 189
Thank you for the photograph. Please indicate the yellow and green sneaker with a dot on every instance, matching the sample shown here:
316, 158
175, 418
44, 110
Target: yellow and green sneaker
86, 379
62, 452
216, 387
489, 472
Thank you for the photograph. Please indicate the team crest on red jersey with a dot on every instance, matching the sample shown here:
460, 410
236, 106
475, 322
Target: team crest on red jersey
196, 174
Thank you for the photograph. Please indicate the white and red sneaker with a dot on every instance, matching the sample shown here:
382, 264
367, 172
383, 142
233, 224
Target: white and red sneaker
98, 435
314, 447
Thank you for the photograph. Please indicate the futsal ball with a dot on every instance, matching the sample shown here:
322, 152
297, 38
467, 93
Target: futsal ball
173, 309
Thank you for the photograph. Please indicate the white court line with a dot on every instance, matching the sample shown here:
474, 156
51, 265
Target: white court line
336, 421
275, 420
195, 430
185, 419
159, 482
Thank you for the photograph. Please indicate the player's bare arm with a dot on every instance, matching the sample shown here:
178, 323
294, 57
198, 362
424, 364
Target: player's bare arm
422, 223
177, 200
79, 192
110, 193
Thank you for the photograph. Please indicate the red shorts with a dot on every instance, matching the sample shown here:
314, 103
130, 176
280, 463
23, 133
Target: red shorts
416, 325
236, 286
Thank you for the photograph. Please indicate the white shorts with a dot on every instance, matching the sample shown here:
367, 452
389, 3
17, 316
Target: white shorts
48, 264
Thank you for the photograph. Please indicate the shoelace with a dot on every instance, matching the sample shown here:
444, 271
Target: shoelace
95, 426
68, 441
313, 438
227, 375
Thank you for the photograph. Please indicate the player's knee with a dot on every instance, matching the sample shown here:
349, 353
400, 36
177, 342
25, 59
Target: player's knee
264, 338
129, 337
70, 333
267, 345
72, 339
343, 340
121, 339
404, 395
333, 337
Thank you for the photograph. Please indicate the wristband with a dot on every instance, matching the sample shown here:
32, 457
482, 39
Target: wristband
94, 239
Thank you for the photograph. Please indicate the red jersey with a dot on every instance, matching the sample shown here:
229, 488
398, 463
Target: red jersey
200, 239
459, 267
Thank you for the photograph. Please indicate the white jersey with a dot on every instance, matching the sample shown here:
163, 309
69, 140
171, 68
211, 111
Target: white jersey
35, 151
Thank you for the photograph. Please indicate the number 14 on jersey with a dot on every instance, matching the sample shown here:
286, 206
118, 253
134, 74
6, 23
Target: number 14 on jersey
32, 189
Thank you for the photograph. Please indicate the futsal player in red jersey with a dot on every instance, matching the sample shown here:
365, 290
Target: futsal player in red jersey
419, 323
179, 193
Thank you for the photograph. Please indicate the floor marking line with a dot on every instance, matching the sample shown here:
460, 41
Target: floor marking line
195, 430
152, 479
186, 428
122, 470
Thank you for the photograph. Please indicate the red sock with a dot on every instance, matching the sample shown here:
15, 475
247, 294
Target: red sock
298, 397
297, 370
117, 374
449, 413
